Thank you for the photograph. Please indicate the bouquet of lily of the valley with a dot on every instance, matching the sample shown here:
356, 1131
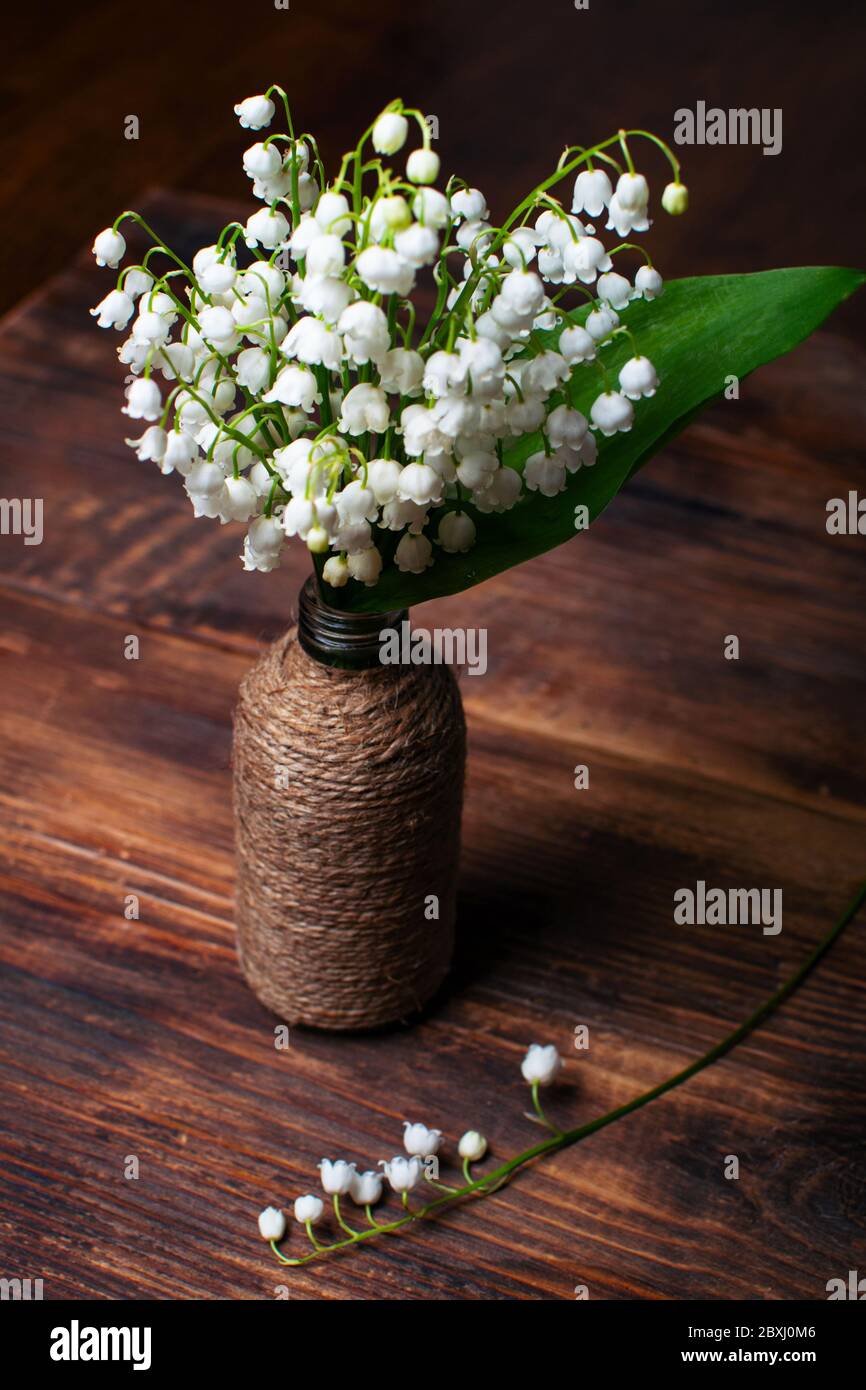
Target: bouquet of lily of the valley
288, 377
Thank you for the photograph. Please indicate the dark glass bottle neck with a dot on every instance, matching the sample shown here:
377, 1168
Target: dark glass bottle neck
348, 640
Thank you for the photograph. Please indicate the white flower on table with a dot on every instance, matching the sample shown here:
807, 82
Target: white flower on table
421, 1141
541, 1065
272, 1224
402, 1173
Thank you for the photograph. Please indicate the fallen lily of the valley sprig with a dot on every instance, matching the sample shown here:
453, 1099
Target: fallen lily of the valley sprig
419, 1166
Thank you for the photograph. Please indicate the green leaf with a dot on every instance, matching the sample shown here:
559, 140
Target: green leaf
699, 333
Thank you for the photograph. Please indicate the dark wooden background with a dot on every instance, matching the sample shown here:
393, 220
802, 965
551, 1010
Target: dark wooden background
510, 83
123, 1038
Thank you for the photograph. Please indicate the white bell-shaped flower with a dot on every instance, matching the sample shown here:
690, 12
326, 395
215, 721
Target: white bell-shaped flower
401, 371
336, 1176
422, 166
272, 1224
143, 401
476, 468
267, 227
206, 489
501, 493
402, 1173
576, 345
456, 532
611, 412
326, 256
431, 207
566, 426
241, 500
109, 248
614, 289
383, 476
356, 503
308, 1210
365, 332
366, 1188
299, 515
601, 323
632, 192
151, 446
544, 473
585, 259
366, 566
253, 369
649, 282
638, 378
336, 571
417, 245
472, 1146
592, 192
179, 454
389, 132
313, 342
469, 203
419, 483
332, 212
115, 310
294, 386
418, 1139
413, 555
541, 1064
365, 409
382, 270
255, 112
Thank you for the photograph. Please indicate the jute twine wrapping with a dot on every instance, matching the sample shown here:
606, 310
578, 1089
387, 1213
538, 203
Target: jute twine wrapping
348, 789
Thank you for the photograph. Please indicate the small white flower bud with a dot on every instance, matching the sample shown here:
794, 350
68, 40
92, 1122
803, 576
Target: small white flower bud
413, 554
456, 532
611, 412
638, 378
114, 311
318, 540
109, 248
419, 1140
336, 1176
675, 199
366, 1188
336, 572
472, 1146
255, 112
366, 566
272, 1224
308, 1208
402, 1173
389, 132
632, 192
422, 166
649, 282
541, 1064
143, 401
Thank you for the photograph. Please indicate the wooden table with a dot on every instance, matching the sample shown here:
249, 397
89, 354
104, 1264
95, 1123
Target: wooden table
139, 1038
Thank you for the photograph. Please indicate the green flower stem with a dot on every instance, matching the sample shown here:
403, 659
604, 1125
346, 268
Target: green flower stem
160, 245
340, 1222
536, 1103
482, 1187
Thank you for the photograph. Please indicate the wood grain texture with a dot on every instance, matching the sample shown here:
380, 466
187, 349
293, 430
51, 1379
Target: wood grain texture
509, 90
140, 1038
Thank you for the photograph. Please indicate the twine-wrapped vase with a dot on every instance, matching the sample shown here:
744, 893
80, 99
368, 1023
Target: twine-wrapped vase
348, 790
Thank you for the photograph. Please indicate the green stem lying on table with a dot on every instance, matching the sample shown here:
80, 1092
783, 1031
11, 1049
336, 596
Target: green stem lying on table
491, 1182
